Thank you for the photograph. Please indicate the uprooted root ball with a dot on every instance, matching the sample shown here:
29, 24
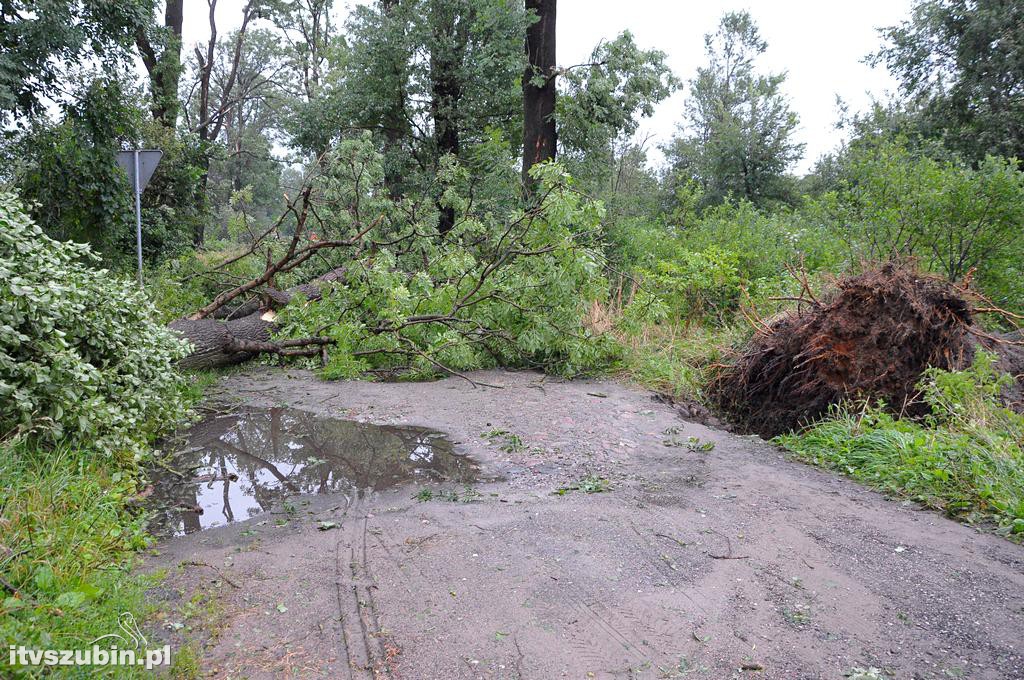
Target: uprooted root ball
871, 337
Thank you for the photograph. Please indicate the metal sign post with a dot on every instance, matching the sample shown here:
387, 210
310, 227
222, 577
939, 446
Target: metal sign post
139, 165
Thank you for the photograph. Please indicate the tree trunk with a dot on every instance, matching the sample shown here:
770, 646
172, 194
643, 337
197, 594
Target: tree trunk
539, 135
164, 69
239, 333
394, 122
446, 91
221, 343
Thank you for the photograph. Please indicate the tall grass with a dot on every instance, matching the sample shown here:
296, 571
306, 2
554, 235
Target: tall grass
67, 542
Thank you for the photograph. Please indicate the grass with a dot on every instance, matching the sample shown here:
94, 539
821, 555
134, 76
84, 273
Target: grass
974, 476
966, 458
676, 360
588, 484
67, 542
70, 532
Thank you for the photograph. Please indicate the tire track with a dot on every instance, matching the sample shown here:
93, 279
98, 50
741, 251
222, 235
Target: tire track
360, 627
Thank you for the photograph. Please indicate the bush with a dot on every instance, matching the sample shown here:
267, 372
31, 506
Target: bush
954, 218
81, 358
697, 285
67, 172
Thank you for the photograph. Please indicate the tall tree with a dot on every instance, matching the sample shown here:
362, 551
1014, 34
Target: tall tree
429, 78
244, 148
540, 138
738, 129
160, 48
962, 63
41, 43
216, 97
600, 105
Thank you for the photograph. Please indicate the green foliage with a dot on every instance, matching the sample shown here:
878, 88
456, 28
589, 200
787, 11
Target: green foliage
959, 66
454, 63
67, 172
672, 360
502, 289
950, 216
764, 242
696, 285
39, 40
81, 358
68, 541
967, 458
603, 101
739, 126
173, 204
588, 484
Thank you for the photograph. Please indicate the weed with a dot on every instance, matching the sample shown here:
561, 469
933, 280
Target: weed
468, 495
695, 444
588, 484
797, 616
510, 443
870, 673
67, 542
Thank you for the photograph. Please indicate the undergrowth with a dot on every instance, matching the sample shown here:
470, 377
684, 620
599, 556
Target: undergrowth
67, 542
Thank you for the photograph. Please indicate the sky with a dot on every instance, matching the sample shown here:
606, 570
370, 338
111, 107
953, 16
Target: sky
819, 44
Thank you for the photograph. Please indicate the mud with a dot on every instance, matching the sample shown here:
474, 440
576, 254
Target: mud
696, 562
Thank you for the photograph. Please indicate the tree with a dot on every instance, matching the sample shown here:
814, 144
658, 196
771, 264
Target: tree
160, 49
67, 170
41, 43
540, 138
600, 103
960, 62
244, 155
896, 203
313, 51
739, 126
430, 79
216, 97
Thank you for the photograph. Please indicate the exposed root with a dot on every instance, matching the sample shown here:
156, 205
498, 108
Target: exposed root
872, 337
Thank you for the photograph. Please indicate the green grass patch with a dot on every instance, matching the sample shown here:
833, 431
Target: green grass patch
966, 459
675, 360
67, 543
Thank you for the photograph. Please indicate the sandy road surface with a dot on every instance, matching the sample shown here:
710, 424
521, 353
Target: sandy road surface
733, 562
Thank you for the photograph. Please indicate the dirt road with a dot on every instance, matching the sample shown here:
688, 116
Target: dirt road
720, 563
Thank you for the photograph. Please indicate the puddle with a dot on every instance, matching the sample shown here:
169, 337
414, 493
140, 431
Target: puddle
247, 463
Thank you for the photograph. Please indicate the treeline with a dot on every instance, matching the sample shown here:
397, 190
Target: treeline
243, 117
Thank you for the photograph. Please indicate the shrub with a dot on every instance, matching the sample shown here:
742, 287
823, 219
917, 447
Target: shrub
81, 358
697, 285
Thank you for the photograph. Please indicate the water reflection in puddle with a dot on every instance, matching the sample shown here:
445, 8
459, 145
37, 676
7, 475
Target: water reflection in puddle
247, 463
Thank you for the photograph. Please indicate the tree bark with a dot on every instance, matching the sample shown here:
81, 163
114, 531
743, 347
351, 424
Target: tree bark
446, 92
238, 334
539, 134
164, 69
211, 120
394, 122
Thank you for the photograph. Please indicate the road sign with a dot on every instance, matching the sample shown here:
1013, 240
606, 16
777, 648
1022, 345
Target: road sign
139, 165
148, 160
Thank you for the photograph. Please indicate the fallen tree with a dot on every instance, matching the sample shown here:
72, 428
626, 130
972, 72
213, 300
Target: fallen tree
384, 292
872, 337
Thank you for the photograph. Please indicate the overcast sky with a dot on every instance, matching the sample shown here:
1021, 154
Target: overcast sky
819, 43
